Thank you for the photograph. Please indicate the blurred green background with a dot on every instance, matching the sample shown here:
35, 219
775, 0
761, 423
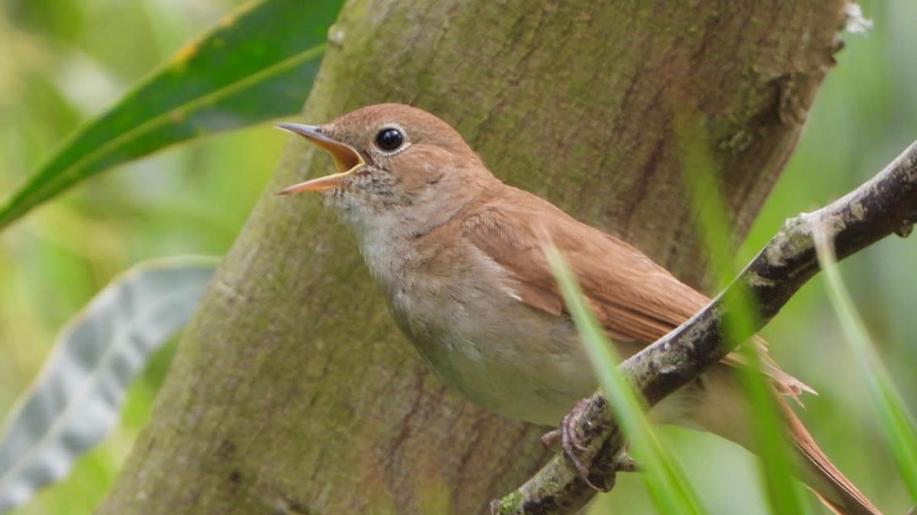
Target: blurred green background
64, 61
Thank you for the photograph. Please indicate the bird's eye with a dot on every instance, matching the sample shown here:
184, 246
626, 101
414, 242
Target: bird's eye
389, 139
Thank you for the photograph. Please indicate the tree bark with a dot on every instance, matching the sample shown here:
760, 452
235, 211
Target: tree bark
293, 392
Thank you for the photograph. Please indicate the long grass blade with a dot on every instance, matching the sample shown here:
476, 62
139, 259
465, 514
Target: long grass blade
777, 471
896, 422
666, 482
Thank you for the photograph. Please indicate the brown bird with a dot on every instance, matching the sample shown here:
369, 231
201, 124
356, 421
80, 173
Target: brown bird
460, 257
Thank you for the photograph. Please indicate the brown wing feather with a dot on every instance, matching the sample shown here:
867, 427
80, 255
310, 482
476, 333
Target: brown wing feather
635, 299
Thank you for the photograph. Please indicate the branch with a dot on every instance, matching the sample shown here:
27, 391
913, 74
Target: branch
885, 204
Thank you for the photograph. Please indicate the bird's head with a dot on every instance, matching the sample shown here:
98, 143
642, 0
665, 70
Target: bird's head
393, 160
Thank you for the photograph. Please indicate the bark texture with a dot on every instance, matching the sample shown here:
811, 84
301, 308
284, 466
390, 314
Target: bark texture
293, 392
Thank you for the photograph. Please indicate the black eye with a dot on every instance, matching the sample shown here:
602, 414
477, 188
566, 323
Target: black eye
389, 139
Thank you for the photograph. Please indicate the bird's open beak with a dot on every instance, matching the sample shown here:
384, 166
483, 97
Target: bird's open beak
346, 159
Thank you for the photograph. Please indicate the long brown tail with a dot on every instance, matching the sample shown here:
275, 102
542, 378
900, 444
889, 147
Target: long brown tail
719, 406
835, 490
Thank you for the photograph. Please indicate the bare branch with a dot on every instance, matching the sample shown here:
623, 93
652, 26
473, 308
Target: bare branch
885, 204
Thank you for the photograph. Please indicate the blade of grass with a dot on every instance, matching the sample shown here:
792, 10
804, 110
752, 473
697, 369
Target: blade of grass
258, 63
664, 479
783, 492
896, 422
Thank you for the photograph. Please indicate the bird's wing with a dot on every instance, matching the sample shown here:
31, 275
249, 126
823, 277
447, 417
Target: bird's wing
635, 299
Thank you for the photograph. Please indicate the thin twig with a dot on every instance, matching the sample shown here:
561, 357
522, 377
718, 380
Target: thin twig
885, 204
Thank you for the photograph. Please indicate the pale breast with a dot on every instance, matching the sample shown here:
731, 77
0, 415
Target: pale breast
460, 311
457, 308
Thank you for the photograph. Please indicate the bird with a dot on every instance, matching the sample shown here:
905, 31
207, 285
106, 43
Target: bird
460, 257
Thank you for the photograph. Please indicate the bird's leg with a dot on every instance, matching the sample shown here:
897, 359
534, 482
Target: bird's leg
572, 445
569, 440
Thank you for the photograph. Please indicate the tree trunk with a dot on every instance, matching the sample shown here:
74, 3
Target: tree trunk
293, 391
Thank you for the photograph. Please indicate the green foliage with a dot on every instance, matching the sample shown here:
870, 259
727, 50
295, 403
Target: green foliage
257, 64
895, 420
769, 436
76, 399
66, 60
666, 482
192, 199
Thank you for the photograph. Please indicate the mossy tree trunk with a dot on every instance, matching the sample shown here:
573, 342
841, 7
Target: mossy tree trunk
293, 392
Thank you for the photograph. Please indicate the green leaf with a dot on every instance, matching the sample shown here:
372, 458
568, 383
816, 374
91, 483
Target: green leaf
258, 63
668, 487
76, 398
775, 452
896, 422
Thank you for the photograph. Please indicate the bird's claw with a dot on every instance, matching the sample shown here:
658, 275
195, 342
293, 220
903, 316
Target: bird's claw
550, 438
570, 442
572, 445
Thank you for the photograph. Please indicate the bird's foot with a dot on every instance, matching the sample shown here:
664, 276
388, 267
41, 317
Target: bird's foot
570, 441
572, 444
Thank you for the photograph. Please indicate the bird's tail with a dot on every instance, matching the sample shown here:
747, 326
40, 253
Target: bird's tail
721, 408
820, 475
